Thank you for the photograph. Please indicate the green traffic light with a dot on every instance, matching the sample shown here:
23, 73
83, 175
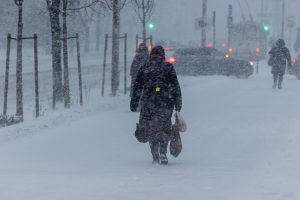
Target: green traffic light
266, 28
151, 25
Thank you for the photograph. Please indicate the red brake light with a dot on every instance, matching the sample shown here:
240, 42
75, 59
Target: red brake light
294, 61
171, 60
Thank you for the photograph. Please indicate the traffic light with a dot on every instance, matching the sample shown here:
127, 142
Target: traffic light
257, 50
151, 26
266, 27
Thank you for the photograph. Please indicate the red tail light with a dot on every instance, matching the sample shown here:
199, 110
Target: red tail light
294, 61
171, 60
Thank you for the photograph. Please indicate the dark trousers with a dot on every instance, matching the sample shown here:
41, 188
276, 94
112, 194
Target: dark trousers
159, 146
277, 78
157, 123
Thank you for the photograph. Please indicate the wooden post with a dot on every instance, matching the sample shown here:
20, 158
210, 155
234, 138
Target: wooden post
125, 63
214, 29
104, 64
257, 64
36, 75
79, 69
151, 41
6, 74
53, 92
136, 41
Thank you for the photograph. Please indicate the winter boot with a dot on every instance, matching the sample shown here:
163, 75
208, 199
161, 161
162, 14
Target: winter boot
163, 159
155, 159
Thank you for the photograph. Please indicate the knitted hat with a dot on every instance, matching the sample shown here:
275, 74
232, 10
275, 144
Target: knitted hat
157, 53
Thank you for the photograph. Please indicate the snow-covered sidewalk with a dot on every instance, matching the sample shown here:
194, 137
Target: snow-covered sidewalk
243, 142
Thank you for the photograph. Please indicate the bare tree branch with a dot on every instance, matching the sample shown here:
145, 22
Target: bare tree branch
89, 5
110, 3
143, 8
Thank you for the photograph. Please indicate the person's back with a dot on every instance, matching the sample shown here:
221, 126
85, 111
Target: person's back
158, 88
279, 58
161, 88
280, 55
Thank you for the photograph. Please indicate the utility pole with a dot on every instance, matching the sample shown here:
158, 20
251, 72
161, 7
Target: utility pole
297, 43
214, 29
229, 25
262, 12
282, 19
204, 17
290, 26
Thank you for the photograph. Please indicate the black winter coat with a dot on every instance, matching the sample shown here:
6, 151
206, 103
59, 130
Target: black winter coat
140, 59
279, 58
157, 86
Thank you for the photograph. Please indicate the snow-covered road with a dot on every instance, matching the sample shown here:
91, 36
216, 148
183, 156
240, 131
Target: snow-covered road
243, 143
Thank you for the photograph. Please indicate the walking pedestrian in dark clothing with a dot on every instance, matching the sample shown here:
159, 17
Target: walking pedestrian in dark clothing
140, 59
279, 58
158, 88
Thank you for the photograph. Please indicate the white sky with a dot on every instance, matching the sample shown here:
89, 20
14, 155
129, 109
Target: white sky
175, 18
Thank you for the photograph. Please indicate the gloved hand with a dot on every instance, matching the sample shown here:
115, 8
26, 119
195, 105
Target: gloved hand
133, 105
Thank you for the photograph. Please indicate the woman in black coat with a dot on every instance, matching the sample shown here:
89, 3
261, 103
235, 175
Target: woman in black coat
157, 87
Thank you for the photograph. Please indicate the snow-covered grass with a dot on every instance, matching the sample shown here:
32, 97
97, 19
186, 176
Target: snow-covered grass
243, 142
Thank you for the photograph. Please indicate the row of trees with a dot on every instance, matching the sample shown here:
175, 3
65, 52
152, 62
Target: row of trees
64, 8
63, 16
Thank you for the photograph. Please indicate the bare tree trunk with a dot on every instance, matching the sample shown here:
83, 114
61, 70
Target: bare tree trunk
144, 22
144, 9
54, 11
87, 39
67, 98
19, 84
72, 44
144, 32
115, 75
98, 32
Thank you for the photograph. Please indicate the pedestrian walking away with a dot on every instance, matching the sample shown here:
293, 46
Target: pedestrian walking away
158, 89
279, 58
141, 58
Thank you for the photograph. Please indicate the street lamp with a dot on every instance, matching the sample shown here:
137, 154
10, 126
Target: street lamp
19, 84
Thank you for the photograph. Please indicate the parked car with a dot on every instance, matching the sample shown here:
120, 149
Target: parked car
295, 68
209, 61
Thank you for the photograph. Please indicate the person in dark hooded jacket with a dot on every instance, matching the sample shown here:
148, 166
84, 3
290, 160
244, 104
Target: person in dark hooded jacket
158, 88
279, 58
140, 59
